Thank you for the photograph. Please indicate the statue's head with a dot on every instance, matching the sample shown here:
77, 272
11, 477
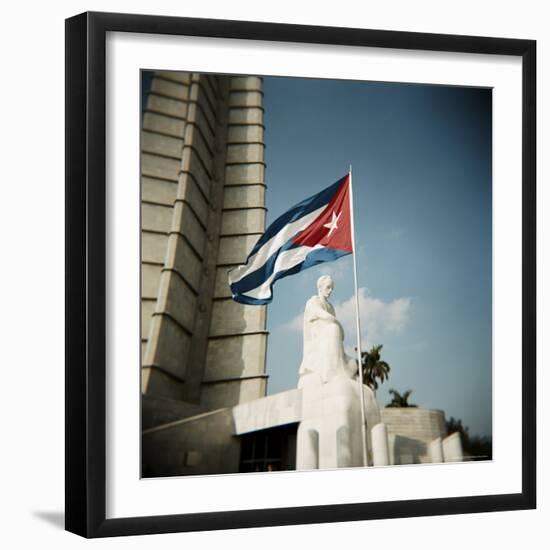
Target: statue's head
325, 285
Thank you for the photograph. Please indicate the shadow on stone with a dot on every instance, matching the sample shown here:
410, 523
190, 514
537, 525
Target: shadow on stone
407, 450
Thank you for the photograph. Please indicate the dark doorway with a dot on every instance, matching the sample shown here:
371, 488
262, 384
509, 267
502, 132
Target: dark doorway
269, 450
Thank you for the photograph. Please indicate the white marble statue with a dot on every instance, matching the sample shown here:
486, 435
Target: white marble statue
324, 356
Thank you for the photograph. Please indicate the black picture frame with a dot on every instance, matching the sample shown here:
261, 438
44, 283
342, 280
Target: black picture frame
86, 274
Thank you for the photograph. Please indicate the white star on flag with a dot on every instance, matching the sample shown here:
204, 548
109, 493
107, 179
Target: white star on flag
333, 224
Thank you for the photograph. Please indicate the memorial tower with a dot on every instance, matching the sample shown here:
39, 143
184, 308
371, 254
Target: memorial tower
202, 209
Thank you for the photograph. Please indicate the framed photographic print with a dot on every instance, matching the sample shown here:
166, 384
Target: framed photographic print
300, 274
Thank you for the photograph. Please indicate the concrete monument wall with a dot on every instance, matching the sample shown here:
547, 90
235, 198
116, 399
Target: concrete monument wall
410, 432
201, 444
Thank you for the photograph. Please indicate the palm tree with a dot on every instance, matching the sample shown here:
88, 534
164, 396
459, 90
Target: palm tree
400, 400
373, 367
455, 425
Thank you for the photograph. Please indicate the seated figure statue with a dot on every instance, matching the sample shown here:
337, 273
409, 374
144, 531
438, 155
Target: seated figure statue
324, 356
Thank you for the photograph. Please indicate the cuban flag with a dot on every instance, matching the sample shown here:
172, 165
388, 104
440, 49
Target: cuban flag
316, 230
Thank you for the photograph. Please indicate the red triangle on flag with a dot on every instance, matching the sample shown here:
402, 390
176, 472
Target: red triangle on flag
333, 226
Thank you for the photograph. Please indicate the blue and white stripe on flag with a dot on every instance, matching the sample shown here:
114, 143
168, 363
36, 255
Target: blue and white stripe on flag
316, 230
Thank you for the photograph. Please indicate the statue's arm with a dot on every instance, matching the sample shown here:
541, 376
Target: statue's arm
314, 311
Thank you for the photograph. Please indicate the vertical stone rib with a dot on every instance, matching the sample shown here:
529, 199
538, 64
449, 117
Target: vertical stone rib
235, 362
197, 354
162, 140
171, 332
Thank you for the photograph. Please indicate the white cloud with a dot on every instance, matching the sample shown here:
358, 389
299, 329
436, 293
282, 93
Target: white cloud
378, 318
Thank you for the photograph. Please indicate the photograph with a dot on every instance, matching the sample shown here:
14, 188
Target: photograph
316, 274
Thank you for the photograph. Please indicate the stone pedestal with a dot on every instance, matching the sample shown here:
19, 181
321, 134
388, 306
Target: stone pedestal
329, 434
452, 448
380, 447
435, 450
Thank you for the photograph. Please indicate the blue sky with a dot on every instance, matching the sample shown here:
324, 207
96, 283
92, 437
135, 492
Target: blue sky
421, 159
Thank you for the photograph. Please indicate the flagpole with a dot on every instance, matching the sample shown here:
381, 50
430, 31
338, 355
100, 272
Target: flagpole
358, 326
